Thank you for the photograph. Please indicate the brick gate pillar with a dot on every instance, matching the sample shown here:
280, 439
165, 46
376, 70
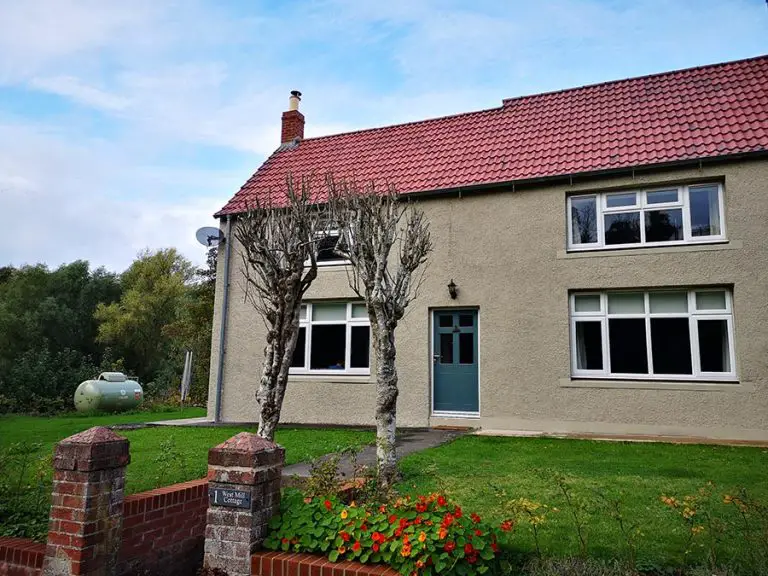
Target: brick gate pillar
244, 475
86, 515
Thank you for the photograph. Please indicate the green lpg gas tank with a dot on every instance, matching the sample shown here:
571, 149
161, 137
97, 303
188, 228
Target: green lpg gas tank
111, 391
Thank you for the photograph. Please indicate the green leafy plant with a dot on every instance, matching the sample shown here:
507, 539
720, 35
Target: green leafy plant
426, 535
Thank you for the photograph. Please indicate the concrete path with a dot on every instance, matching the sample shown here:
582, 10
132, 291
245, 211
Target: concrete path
408, 442
201, 421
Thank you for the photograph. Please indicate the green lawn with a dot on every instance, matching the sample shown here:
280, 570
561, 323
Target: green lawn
166, 455
470, 468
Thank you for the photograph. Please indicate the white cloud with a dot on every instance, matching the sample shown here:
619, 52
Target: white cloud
75, 89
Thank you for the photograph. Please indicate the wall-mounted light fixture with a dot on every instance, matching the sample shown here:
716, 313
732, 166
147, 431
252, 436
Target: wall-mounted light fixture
452, 289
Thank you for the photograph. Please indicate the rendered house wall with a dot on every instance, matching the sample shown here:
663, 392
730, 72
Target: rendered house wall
506, 251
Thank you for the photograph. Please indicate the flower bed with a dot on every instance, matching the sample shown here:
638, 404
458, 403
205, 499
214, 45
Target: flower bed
427, 535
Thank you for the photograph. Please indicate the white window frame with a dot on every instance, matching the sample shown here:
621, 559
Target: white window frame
693, 315
306, 322
642, 206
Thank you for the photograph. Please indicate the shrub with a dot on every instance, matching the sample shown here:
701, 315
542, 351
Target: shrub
427, 535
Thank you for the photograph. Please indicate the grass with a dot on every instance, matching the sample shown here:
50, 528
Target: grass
166, 455
471, 468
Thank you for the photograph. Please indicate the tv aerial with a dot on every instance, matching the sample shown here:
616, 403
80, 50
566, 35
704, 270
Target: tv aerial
209, 236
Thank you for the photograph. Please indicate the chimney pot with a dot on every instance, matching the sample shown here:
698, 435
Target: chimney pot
293, 101
293, 120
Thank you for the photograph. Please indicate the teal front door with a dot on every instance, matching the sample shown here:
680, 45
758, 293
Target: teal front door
454, 361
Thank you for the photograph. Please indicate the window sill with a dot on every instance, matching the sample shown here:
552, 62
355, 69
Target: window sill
700, 386
669, 249
330, 378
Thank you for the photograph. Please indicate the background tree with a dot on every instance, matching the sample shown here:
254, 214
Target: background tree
278, 246
386, 240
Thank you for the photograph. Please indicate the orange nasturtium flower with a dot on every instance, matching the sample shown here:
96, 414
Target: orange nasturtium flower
443, 532
344, 514
422, 536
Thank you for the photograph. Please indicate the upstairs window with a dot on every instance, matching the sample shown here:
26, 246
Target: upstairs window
334, 338
660, 334
654, 217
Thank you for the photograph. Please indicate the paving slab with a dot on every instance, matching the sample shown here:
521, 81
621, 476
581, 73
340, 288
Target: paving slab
200, 421
408, 441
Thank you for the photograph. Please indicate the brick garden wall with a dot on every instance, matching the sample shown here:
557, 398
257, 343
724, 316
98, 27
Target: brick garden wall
164, 530
20, 557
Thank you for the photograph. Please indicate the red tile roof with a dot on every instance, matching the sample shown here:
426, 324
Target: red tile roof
703, 112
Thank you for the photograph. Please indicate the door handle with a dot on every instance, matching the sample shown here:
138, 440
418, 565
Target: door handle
436, 357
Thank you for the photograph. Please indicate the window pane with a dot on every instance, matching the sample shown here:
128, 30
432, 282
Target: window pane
589, 346
671, 346
359, 311
661, 196
626, 303
360, 347
328, 347
664, 225
466, 319
668, 302
584, 220
705, 211
622, 228
586, 303
466, 348
713, 346
628, 347
303, 313
445, 320
301, 344
329, 312
710, 300
446, 348
618, 200
325, 248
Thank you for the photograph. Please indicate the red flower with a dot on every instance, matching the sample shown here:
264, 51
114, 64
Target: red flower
392, 519
356, 546
475, 517
418, 520
398, 532
441, 501
421, 507
364, 527
375, 547
447, 519
478, 532
285, 541
457, 512
468, 548
472, 558
378, 537
327, 504
382, 509
495, 547
449, 546
507, 525
403, 522
344, 536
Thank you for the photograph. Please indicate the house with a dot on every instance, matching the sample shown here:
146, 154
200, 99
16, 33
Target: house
606, 247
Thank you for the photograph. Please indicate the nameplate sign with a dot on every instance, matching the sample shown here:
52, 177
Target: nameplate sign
230, 498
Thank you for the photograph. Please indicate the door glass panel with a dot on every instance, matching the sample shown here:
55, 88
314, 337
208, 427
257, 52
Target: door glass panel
619, 200
705, 211
360, 347
664, 225
466, 348
466, 319
714, 350
589, 346
446, 348
445, 320
661, 196
622, 228
329, 312
668, 302
586, 303
626, 303
584, 220
628, 347
671, 346
710, 300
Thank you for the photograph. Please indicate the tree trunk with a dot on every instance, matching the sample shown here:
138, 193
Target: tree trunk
386, 405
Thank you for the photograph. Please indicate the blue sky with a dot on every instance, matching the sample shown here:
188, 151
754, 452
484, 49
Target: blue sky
125, 125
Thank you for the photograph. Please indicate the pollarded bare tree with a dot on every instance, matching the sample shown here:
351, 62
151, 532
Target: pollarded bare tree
279, 243
386, 240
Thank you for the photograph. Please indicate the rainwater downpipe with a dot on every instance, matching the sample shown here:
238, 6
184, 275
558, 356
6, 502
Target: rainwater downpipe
223, 326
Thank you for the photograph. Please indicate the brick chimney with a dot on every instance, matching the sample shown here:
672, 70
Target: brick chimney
293, 120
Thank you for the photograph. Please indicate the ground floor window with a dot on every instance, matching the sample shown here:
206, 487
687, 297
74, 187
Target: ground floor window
657, 334
334, 337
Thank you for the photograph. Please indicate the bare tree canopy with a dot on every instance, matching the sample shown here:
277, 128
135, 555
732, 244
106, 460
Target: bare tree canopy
278, 247
387, 242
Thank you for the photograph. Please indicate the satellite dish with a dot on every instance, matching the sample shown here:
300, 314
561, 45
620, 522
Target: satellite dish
209, 236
